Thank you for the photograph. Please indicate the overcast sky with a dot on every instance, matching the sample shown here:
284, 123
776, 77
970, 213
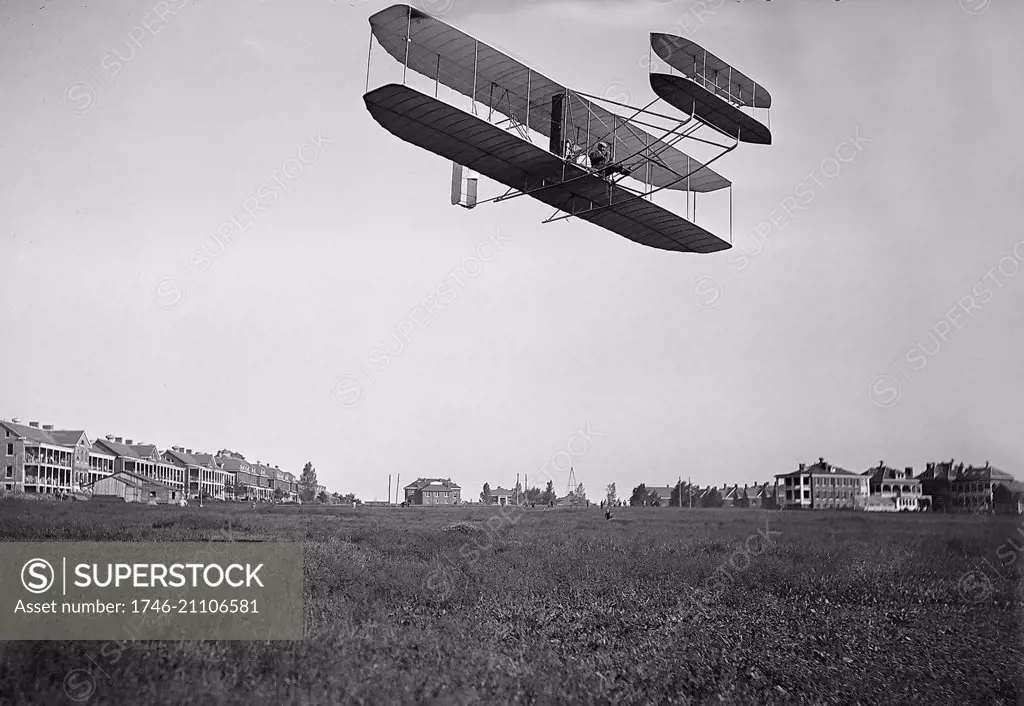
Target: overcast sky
880, 321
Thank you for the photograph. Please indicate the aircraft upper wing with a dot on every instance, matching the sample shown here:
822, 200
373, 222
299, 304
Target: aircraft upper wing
696, 62
438, 50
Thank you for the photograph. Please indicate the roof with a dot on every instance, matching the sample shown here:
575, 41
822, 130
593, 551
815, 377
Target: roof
821, 468
695, 61
66, 437
497, 154
941, 470
206, 460
885, 473
179, 458
421, 483
230, 463
116, 449
97, 451
664, 492
984, 473
135, 480
38, 435
687, 96
493, 78
146, 451
501, 491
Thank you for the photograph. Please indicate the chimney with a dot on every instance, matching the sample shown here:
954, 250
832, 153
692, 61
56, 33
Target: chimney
47, 427
118, 439
986, 464
909, 470
16, 420
802, 467
821, 460
34, 425
129, 442
109, 437
188, 451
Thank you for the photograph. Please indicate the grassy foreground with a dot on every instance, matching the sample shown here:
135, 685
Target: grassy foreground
465, 606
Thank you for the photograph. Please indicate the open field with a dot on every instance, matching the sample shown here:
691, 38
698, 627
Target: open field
561, 606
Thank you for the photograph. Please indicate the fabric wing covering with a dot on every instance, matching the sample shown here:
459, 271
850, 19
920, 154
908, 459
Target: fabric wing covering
696, 62
454, 134
439, 51
687, 95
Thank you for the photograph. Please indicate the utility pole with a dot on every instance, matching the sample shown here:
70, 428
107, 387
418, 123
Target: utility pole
389, 488
518, 490
689, 491
398, 484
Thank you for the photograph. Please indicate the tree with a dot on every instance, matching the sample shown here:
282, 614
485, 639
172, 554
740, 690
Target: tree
485, 494
518, 493
639, 496
534, 495
681, 495
323, 497
744, 500
350, 498
278, 494
581, 494
308, 483
713, 499
549, 495
610, 495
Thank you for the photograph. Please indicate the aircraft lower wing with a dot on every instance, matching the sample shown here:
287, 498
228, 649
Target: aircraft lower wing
499, 155
690, 97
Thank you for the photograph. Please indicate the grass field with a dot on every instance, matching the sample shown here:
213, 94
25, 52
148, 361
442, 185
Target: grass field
562, 606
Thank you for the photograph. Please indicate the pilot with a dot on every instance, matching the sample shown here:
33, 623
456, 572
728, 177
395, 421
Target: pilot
599, 159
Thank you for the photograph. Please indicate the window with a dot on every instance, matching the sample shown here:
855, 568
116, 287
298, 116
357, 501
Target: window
10, 471
10, 449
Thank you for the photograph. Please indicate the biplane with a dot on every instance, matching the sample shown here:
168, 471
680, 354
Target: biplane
612, 189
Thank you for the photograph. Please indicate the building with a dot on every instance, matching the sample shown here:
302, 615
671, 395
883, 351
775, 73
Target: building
143, 460
822, 486
101, 463
79, 441
35, 461
199, 478
730, 496
134, 488
894, 490
264, 479
974, 489
762, 496
434, 491
936, 484
285, 485
245, 481
663, 493
500, 496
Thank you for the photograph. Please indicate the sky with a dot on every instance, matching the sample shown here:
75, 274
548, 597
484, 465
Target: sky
207, 241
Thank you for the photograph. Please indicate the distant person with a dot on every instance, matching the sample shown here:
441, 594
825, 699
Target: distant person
600, 161
607, 514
